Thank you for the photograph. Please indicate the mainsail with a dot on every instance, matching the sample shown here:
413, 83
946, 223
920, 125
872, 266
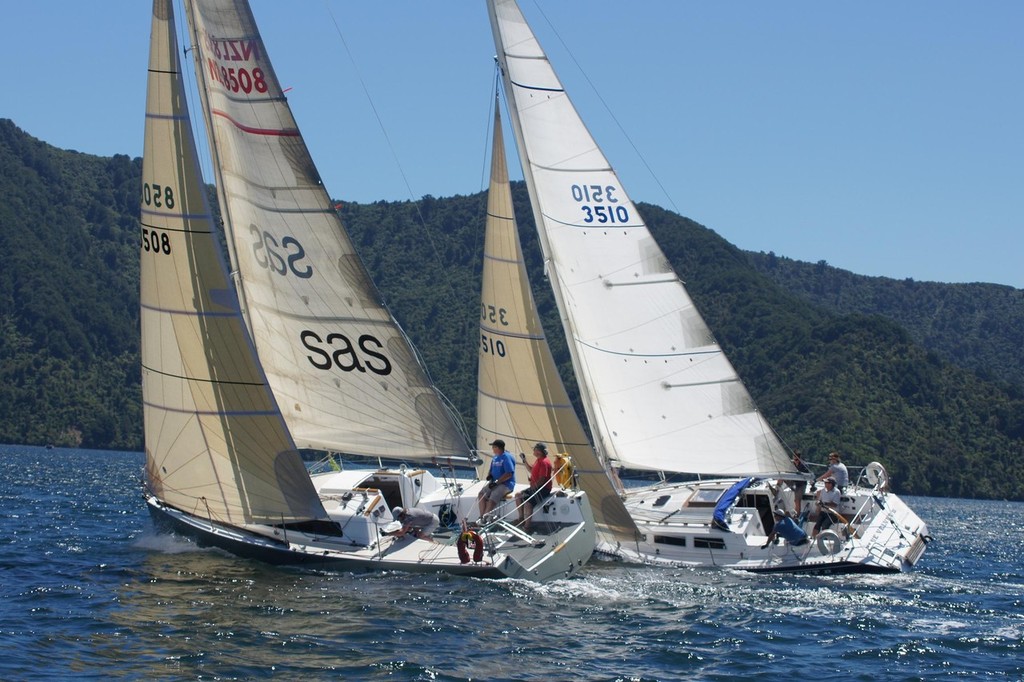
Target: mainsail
658, 391
520, 396
343, 372
216, 445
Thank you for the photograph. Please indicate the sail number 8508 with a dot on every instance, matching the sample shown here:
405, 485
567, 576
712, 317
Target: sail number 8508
592, 200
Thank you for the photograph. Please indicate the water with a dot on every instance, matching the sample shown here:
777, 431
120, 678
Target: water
89, 591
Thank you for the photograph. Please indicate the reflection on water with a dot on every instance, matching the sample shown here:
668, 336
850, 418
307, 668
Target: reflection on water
88, 589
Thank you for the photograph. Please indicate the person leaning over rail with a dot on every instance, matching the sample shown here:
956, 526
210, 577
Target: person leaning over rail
787, 529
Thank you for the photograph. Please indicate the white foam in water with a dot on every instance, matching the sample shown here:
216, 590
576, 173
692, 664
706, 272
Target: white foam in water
166, 543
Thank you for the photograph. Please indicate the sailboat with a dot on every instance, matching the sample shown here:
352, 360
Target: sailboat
228, 398
658, 392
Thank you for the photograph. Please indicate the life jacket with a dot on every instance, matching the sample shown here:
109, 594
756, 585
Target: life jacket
470, 537
564, 470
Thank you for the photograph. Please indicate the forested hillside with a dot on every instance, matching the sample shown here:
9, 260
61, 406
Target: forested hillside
69, 368
827, 376
977, 326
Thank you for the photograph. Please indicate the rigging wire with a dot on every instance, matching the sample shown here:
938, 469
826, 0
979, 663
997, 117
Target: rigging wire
454, 413
607, 108
195, 118
394, 154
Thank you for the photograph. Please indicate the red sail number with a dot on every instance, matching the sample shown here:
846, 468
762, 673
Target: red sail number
238, 79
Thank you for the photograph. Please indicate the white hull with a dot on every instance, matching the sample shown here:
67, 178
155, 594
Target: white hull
676, 528
359, 504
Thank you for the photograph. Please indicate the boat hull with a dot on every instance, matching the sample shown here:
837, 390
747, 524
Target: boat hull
677, 527
556, 554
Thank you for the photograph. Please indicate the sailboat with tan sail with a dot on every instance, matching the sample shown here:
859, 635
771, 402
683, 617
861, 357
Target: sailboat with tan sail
520, 396
225, 380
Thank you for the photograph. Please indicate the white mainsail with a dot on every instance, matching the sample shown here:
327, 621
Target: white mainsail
520, 395
216, 445
344, 374
659, 392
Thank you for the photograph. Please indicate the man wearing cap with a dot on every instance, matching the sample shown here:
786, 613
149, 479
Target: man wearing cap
786, 528
501, 480
540, 486
421, 522
828, 502
836, 470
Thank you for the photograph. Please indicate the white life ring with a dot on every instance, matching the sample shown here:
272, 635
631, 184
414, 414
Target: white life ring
829, 542
877, 475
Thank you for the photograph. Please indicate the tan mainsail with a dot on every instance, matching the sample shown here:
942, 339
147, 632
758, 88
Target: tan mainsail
520, 395
344, 374
216, 445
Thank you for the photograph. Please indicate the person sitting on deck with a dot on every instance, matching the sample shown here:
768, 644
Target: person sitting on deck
828, 503
501, 479
836, 470
540, 486
787, 529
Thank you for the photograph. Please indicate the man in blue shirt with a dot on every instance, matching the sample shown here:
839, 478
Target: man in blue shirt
785, 528
500, 481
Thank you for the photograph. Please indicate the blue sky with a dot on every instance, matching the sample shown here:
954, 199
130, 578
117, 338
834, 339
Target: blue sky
885, 138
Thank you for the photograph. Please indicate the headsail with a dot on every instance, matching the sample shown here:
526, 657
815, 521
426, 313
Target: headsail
659, 392
216, 445
520, 396
344, 374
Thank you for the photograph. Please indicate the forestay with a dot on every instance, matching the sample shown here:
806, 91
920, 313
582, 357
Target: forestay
659, 393
343, 372
216, 445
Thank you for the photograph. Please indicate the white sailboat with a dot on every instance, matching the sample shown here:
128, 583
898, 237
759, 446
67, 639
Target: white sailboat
223, 399
658, 391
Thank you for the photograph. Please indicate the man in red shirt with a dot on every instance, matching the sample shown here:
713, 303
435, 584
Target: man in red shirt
540, 486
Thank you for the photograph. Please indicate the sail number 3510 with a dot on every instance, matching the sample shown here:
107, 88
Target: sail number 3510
600, 204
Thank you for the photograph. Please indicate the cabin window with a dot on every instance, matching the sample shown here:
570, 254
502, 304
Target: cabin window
705, 497
662, 501
709, 543
670, 540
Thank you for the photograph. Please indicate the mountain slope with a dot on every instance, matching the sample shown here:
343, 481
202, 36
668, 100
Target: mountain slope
827, 376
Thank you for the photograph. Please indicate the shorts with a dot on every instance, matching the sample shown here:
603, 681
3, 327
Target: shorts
429, 528
495, 494
532, 496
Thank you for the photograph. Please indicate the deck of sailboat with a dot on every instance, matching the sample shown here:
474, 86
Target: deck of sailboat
510, 554
883, 535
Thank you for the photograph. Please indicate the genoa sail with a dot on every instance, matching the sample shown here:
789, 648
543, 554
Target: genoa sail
658, 391
520, 396
216, 444
346, 377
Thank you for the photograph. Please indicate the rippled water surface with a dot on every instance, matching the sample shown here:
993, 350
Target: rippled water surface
89, 591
